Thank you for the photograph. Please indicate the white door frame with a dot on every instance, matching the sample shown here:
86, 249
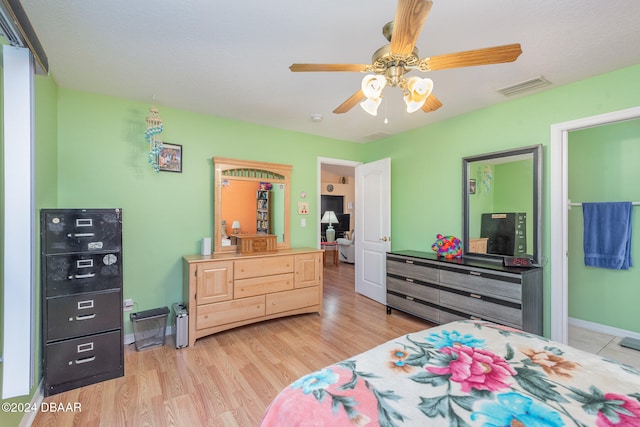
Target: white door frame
559, 235
329, 161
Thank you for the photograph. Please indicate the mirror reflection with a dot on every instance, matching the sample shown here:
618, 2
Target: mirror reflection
250, 198
250, 207
501, 203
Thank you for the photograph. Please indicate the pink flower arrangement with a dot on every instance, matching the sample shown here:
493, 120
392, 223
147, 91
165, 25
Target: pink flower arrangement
626, 413
475, 368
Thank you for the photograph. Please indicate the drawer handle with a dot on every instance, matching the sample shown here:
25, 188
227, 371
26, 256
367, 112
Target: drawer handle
409, 298
85, 347
475, 273
85, 360
84, 222
85, 304
84, 263
475, 296
408, 261
408, 279
474, 318
83, 276
86, 317
81, 235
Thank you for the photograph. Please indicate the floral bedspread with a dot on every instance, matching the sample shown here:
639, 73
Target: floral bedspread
467, 373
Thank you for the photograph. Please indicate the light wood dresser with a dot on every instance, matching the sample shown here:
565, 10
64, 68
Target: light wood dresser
228, 290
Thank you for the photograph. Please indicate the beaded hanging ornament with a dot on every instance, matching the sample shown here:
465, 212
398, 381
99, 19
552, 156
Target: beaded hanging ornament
152, 135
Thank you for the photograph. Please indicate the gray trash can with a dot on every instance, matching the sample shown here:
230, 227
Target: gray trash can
149, 327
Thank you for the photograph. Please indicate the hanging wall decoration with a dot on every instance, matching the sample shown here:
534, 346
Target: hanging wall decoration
152, 135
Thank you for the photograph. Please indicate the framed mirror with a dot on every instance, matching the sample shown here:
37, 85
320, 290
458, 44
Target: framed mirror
250, 198
502, 204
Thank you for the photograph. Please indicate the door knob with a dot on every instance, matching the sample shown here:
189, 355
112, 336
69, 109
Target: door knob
385, 239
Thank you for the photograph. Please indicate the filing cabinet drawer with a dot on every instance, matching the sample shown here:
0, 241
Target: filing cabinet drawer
78, 273
78, 315
79, 230
77, 358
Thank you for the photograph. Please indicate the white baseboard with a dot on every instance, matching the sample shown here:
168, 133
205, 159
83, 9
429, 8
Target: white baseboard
597, 327
36, 402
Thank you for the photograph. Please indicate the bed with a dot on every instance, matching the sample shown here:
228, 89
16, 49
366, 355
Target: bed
465, 373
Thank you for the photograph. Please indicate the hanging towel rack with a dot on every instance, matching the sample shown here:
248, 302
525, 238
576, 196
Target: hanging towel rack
580, 204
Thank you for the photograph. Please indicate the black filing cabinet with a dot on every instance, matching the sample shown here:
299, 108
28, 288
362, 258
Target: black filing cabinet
81, 297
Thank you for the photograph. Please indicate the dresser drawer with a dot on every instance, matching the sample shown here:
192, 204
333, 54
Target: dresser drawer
507, 287
221, 313
78, 230
413, 307
292, 300
446, 317
85, 314
79, 273
488, 310
414, 269
83, 357
243, 288
412, 289
256, 267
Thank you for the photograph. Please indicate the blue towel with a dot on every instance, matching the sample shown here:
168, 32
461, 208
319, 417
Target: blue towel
607, 235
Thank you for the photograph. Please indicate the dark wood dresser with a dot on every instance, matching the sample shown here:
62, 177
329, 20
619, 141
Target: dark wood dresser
441, 290
82, 335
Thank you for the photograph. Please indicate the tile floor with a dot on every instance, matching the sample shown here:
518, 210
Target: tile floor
603, 344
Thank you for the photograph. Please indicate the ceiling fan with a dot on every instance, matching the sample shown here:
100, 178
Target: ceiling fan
391, 62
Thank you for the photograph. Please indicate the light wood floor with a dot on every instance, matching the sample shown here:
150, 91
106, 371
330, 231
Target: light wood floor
229, 379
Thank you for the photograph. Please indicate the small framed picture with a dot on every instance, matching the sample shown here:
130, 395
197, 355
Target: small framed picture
472, 186
170, 158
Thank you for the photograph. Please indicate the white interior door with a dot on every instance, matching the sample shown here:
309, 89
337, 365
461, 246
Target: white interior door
373, 228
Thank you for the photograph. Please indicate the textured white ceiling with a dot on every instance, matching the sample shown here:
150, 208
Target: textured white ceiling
231, 58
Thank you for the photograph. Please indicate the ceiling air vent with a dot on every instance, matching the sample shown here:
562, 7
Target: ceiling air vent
375, 136
525, 86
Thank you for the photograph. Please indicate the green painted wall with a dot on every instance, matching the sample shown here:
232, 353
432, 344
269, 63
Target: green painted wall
426, 162
102, 162
603, 167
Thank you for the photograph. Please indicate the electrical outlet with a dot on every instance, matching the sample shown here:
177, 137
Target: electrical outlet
127, 305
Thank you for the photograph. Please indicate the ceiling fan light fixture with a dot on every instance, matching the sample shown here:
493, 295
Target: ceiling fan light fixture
372, 85
370, 105
418, 90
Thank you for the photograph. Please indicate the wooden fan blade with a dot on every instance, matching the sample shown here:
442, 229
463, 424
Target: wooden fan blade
350, 103
431, 104
409, 20
470, 58
328, 67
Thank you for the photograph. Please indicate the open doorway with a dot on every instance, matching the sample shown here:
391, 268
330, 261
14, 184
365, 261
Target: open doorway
560, 210
336, 193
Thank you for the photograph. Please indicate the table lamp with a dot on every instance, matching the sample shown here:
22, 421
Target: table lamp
236, 226
329, 217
